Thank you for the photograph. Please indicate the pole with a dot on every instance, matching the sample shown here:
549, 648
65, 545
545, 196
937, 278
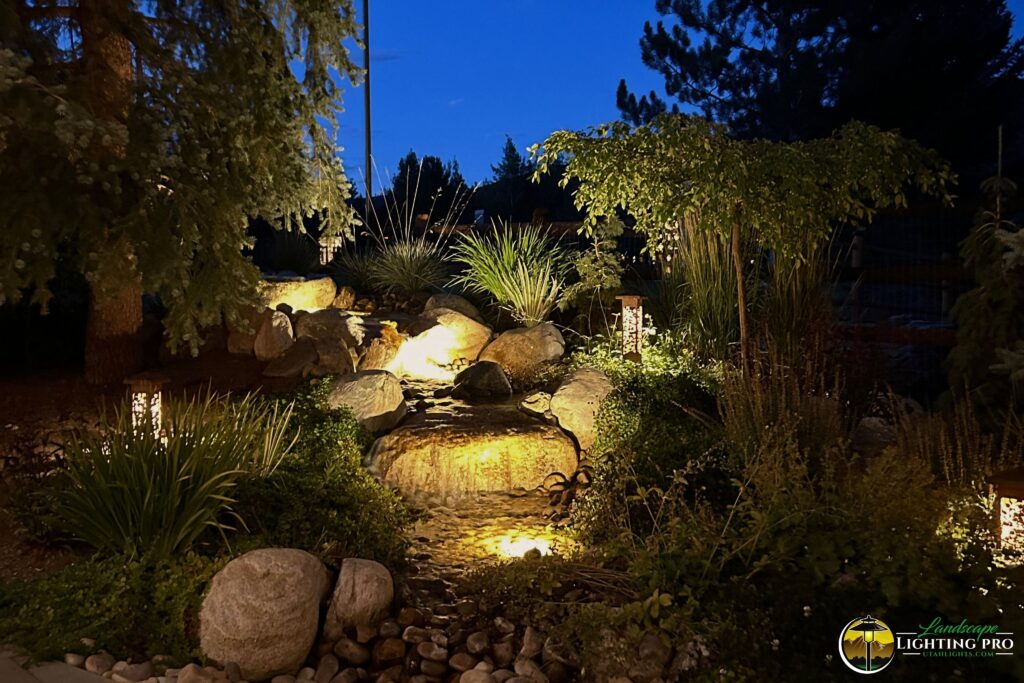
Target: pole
366, 105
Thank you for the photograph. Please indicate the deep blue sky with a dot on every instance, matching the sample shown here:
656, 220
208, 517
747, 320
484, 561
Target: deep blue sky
452, 78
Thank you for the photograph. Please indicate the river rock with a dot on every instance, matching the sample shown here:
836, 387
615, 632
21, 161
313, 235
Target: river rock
362, 597
374, 396
524, 351
262, 611
577, 401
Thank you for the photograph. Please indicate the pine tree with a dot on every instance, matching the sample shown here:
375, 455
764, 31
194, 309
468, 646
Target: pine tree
942, 71
137, 138
427, 185
513, 166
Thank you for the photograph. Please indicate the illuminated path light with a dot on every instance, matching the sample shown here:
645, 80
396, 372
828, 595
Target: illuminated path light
632, 325
1008, 487
147, 400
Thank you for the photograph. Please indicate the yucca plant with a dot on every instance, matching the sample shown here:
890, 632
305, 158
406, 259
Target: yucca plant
136, 492
523, 270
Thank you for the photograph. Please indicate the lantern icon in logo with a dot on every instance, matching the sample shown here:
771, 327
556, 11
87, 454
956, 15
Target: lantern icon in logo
867, 645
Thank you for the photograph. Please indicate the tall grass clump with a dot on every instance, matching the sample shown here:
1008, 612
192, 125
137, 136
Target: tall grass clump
958, 448
696, 294
797, 306
139, 493
522, 269
408, 252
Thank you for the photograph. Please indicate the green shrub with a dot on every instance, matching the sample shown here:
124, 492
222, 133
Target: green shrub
320, 499
353, 268
134, 608
135, 492
524, 270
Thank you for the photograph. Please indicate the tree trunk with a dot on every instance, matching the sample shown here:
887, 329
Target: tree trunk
113, 348
741, 296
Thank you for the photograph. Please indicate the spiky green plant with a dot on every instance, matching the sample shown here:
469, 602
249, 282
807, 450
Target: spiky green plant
522, 269
408, 253
140, 493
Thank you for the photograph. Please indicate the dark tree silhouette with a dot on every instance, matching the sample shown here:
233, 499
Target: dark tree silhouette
943, 71
427, 185
513, 165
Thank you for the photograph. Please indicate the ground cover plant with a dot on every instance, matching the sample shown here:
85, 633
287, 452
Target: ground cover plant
156, 518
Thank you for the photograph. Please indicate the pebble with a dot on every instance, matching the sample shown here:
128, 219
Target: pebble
502, 675
533, 643
415, 634
346, 676
390, 629
476, 676
503, 625
387, 651
193, 674
529, 668
283, 678
462, 661
432, 651
478, 642
432, 668
327, 669
352, 652
74, 659
502, 652
410, 616
99, 663
306, 674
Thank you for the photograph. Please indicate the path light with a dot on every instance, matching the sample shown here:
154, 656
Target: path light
1008, 487
632, 325
329, 246
147, 401
868, 626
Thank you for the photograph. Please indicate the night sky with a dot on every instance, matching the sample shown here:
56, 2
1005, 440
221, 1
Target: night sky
452, 78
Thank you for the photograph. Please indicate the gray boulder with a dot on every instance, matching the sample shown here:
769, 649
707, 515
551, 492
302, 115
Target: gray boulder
274, 336
482, 380
362, 597
262, 610
453, 302
375, 398
297, 360
577, 401
524, 351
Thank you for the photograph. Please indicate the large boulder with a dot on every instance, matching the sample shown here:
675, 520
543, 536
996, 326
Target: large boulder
297, 360
242, 331
482, 380
345, 298
452, 302
274, 336
380, 350
467, 449
262, 611
308, 294
577, 401
524, 351
362, 597
442, 337
375, 398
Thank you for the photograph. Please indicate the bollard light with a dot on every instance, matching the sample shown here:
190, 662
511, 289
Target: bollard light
147, 400
632, 325
1008, 487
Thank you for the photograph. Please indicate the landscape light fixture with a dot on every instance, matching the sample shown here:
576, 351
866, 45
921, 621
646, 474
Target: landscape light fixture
868, 626
1008, 487
329, 247
632, 325
147, 400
